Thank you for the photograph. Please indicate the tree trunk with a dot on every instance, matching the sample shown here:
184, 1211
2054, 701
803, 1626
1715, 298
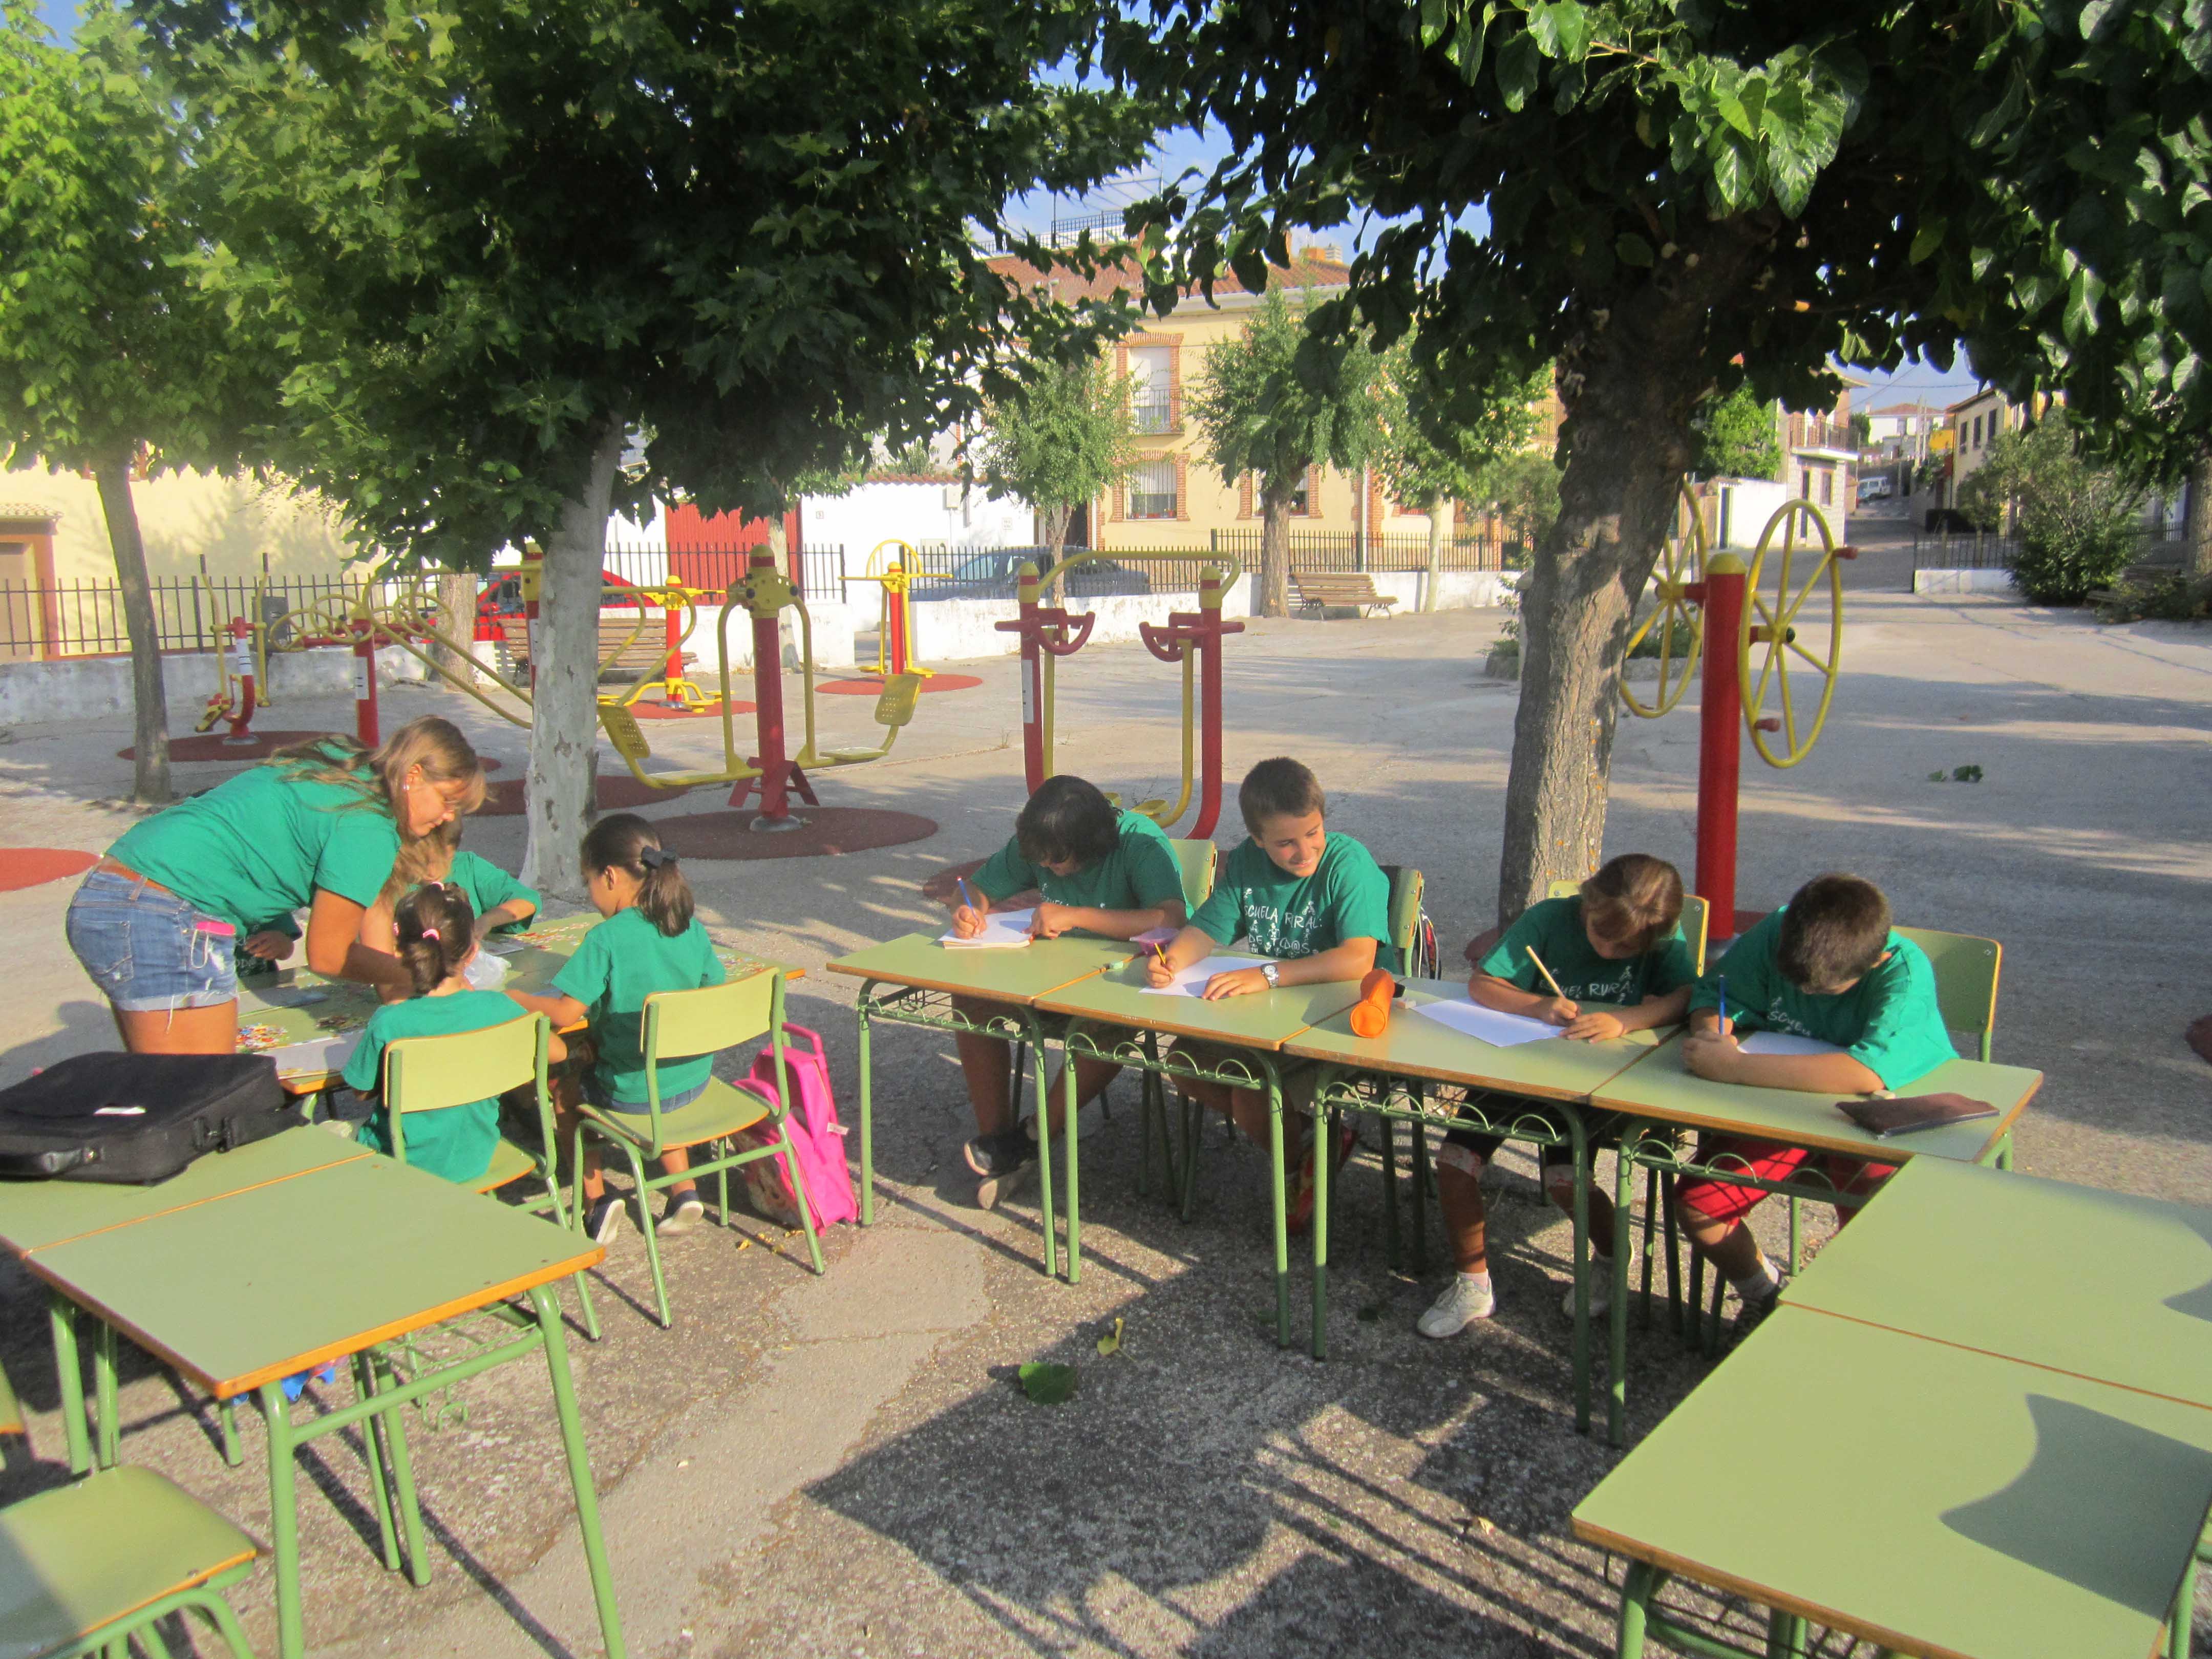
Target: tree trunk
1272, 598
150, 731
2197, 528
779, 548
1630, 379
456, 617
1053, 522
1440, 525
564, 646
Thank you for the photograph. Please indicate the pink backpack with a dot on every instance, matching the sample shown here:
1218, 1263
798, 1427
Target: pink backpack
815, 1132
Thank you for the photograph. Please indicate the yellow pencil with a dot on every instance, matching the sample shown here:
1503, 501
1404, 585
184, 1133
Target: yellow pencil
1546, 973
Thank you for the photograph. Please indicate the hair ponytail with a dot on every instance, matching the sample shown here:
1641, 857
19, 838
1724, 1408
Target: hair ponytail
625, 841
436, 927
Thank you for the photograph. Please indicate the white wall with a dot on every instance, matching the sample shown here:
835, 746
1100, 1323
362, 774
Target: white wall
70, 690
1964, 581
872, 513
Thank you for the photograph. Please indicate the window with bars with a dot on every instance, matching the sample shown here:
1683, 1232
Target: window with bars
1152, 490
1151, 384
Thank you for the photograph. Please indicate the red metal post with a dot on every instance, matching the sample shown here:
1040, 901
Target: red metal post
675, 669
364, 684
894, 612
242, 666
1719, 738
767, 584
1031, 630
1209, 634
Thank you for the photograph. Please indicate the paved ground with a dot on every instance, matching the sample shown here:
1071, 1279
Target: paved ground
844, 1466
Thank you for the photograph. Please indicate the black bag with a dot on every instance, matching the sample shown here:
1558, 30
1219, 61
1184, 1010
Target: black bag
122, 1118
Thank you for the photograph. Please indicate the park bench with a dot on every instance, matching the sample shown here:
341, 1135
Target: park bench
623, 658
1318, 590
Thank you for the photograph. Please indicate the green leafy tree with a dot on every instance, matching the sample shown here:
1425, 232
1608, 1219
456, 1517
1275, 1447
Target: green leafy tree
1735, 437
1276, 402
1443, 430
2079, 524
1658, 193
1064, 438
502, 239
1526, 488
107, 350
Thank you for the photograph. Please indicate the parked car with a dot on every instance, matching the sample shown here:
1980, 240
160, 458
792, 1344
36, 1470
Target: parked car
996, 575
1876, 488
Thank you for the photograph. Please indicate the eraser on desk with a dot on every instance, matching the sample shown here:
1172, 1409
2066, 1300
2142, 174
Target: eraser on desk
1372, 1012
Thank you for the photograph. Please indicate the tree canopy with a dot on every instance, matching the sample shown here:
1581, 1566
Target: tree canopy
1061, 440
1736, 438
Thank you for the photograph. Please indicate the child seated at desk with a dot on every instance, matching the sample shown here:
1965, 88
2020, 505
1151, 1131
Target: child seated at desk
1618, 940
435, 930
1313, 899
649, 941
1827, 965
1102, 871
502, 904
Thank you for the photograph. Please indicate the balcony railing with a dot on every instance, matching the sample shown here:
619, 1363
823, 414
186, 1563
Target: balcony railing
1152, 415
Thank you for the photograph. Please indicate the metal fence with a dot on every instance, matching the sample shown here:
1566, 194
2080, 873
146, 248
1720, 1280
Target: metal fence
1348, 551
1977, 549
821, 569
85, 619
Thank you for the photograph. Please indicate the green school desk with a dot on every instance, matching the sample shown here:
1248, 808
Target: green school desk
1658, 1092
328, 1263
2101, 1284
913, 981
1922, 1497
1112, 1018
1358, 1074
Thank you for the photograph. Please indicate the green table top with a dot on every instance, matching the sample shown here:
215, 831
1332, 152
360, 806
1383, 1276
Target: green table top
1939, 1502
35, 1215
1411, 1046
1020, 976
2103, 1285
1265, 1020
1660, 1087
285, 1276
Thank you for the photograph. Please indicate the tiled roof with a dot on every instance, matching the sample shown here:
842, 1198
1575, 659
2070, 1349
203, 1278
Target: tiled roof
16, 510
1308, 265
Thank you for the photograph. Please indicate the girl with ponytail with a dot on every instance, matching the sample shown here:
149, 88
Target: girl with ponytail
650, 941
435, 929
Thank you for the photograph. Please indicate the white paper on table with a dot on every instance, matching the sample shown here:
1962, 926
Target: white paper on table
316, 1056
1191, 981
485, 973
1488, 1024
504, 947
1784, 1042
1003, 929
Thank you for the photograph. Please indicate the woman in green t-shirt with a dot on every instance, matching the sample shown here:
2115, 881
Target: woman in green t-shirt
318, 826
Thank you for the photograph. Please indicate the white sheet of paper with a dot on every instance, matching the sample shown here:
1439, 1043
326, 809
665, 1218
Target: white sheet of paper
1003, 929
328, 1053
1501, 1031
1783, 1043
1191, 981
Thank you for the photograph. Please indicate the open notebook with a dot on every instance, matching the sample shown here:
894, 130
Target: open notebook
1003, 929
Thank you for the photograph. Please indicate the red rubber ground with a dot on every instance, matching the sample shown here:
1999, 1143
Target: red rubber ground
875, 688
823, 831
28, 867
618, 792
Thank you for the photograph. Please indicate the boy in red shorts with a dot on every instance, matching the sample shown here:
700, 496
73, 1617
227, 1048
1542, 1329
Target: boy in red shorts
1827, 965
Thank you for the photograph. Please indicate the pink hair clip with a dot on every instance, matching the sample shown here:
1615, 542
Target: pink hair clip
429, 933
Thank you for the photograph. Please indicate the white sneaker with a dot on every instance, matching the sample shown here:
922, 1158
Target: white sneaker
1461, 1303
1601, 1271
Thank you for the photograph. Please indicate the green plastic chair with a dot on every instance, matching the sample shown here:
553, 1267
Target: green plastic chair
678, 1026
90, 1565
434, 1073
1197, 861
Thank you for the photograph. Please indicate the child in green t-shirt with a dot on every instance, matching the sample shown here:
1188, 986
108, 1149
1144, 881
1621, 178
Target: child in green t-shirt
1312, 899
436, 938
1829, 966
649, 941
1101, 871
501, 902
1617, 941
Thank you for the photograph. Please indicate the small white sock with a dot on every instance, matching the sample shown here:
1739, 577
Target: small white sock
1481, 1281
1760, 1285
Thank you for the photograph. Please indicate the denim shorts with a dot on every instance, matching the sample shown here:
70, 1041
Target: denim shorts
596, 1092
148, 950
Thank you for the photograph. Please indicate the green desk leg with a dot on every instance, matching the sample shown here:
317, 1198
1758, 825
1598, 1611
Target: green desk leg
1616, 1382
69, 1373
1642, 1583
387, 1535
1578, 1149
226, 1417
2183, 1625
1324, 1145
547, 1309
868, 1114
1044, 1134
110, 1427
393, 1423
283, 1523
1282, 1205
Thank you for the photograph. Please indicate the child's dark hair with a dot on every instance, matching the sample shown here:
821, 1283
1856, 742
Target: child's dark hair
1279, 789
435, 925
623, 841
1634, 900
1834, 932
1067, 818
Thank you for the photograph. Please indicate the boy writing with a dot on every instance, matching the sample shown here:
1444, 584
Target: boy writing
1827, 966
1102, 871
1314, 900
1617, 941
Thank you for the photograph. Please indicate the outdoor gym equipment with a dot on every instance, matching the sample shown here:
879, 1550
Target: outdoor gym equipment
1190, 637
895, 634
241, 665
1761, 607
679, 607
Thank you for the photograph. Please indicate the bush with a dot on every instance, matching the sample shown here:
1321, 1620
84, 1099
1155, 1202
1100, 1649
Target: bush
2077, 522
2161, 596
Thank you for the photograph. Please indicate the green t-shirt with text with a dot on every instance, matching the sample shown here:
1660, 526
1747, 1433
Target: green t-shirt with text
621, 962
456, 1142
1140, 873
1889, 1022
487, 887
1553, 927
1280, 914
261, 844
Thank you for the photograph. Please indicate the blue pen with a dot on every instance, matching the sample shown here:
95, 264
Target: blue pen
966, 898
1722, 979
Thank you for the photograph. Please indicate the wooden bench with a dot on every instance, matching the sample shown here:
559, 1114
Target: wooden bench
645, 656
1318, 590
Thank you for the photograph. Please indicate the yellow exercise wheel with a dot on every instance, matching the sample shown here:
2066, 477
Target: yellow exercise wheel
1790, 648
1681, 561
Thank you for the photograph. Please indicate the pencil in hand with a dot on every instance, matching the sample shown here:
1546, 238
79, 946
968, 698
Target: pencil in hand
1546, 973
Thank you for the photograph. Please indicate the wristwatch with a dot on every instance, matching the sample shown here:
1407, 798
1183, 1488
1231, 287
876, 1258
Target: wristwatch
1272, 974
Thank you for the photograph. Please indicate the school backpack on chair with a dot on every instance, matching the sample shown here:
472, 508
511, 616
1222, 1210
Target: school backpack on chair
815, 1133
137, 1118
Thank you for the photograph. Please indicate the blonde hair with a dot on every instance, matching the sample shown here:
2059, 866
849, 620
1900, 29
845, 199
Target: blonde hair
378, 777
